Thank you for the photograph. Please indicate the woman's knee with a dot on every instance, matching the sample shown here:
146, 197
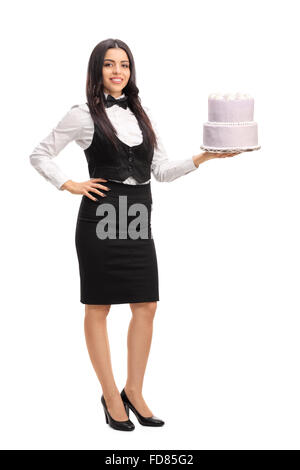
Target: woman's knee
97, 311
145, 310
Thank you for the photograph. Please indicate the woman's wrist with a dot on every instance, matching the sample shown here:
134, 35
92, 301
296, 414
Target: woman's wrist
67, 185
200, 158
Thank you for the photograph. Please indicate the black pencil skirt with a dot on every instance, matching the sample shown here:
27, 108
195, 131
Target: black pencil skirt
115, 248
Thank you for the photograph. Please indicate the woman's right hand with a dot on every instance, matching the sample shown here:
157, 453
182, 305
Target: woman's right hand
85, 187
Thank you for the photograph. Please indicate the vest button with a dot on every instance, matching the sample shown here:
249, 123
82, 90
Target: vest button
130, 168
130, 151
130, 159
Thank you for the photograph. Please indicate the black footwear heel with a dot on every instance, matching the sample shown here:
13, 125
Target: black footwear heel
127, 409
119, 425
151, 421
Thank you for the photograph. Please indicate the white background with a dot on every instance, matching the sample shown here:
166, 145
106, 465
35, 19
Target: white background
223, 370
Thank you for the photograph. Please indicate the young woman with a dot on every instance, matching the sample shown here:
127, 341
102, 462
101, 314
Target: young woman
116, 252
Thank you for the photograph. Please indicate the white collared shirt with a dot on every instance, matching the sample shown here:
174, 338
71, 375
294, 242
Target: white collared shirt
77, 125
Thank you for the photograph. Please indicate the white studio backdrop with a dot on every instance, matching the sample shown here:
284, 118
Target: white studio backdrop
223, 366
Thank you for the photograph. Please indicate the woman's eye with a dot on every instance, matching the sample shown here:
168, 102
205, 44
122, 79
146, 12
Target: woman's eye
124, 65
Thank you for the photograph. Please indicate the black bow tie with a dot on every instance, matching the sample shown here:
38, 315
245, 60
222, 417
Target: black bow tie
110, 101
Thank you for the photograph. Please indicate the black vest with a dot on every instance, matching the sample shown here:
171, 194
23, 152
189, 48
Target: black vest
105, 162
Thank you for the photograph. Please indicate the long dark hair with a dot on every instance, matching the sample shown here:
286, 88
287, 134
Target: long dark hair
95, 95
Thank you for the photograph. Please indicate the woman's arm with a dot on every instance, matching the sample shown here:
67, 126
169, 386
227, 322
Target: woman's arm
163, 169
69, 128
168, 170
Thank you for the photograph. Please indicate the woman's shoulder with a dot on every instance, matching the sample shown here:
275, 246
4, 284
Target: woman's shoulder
81, 106
146, 108
80, 110
150, 113
78, 115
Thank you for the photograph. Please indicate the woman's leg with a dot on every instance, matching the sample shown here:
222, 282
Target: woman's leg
138, 344
98, 347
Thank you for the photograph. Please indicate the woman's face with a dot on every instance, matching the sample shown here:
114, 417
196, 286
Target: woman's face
116, 64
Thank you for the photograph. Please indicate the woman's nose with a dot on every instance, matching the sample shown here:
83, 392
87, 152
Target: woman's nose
117, 69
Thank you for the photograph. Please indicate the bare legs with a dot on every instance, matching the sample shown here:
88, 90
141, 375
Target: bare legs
99, 352
138, 344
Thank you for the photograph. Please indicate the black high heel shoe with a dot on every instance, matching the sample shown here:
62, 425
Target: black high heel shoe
119, 425
151, 421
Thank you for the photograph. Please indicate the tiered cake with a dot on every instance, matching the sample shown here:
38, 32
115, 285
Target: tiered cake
230, 123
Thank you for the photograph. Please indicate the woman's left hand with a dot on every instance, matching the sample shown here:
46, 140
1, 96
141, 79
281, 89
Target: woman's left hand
204, 156
229, 154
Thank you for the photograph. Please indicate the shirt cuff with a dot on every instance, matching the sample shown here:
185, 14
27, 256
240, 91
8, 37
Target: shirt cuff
193, 166
59, 183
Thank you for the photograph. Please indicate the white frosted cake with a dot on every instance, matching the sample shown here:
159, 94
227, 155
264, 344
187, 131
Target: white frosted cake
230, 123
